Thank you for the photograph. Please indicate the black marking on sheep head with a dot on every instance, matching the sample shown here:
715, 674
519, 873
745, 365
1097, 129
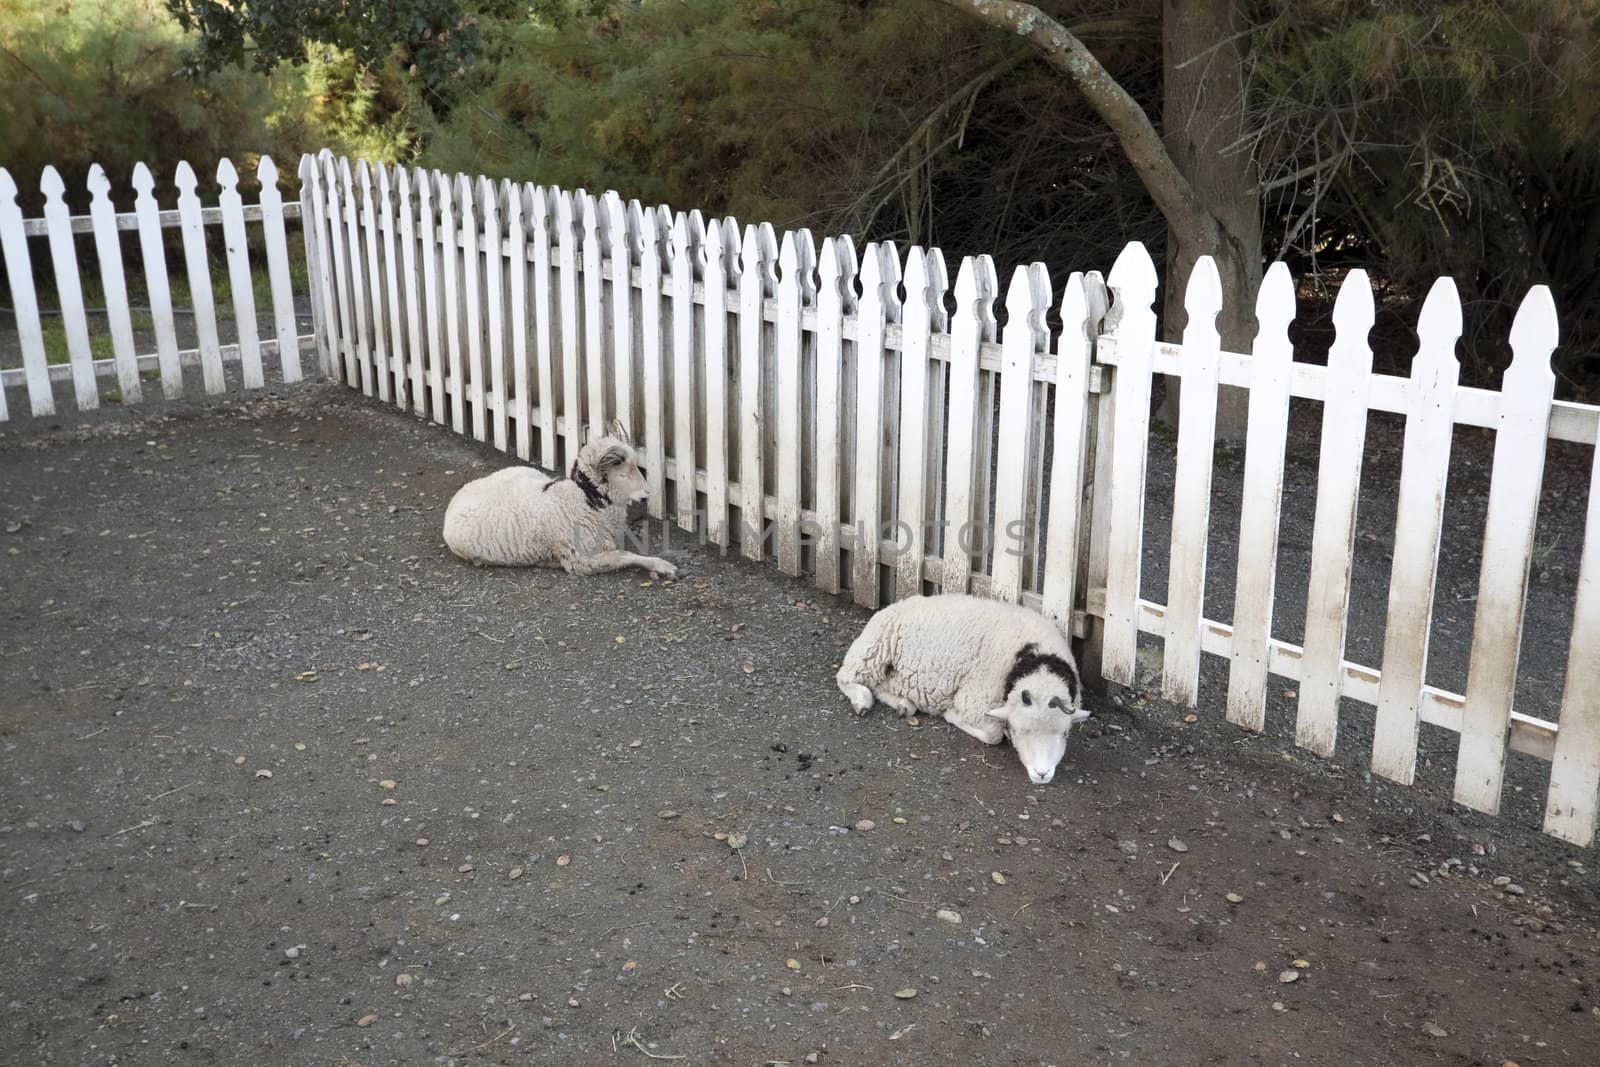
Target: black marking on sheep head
1043, 701
611, 469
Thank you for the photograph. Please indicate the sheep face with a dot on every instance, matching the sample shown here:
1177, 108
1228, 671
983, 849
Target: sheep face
1038, 721
612, 464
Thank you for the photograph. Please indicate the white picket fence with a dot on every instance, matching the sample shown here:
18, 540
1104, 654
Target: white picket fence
834, 413
788, 396
127, 366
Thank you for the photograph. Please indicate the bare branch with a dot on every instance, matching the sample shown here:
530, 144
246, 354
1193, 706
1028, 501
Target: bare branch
1141, 143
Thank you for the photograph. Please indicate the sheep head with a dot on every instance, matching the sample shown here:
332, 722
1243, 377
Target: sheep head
1044, 701
611, 464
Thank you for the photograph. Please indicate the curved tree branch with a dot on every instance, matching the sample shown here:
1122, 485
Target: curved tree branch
1064, 51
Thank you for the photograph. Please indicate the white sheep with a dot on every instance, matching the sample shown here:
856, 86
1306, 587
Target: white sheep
991, 669
521, 517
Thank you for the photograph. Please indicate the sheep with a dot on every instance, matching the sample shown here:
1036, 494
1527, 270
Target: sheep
991, 669
521, 517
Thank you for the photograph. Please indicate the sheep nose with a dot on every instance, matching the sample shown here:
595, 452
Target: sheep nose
1041, 777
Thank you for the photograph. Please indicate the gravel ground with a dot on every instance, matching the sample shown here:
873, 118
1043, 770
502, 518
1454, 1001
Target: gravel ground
284, 782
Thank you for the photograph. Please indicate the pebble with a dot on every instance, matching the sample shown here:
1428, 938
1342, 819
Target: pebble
666, 813
905, 994
948, 915
367, 1020
465, 868
516, 872
1288, 976
1177, 846
1433, 1029
403, 980
77, 826
864, 825
263, 773
997, 878
821, 923
1129, 848
422, 842
1234, 898
1516, 890
238, 761
812, 1057
1503, 880
292, 953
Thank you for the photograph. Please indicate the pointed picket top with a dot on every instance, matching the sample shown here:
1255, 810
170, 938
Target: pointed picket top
1535, 333
805, 248
636, 229
402, 184
680, 241
464, 198
889, 283
441, 187
1353, 316
8, 187
591, 220
788, 256
1438, 330
1133, 276
849, 271
99, 185
1039, 279
144, 182
1022, 307
697, 228
766, 248
711, 249
831, 271
1075, 310
936, 283
364, 173
920, 298
266, 172
1275, 303
872, 279
308, 166
730, 231
227, 176
51, 185
1203, 298
976, 285
538, 206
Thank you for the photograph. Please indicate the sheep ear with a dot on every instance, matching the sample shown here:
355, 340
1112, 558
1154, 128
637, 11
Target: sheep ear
1054, 704
619, 431
1002, 713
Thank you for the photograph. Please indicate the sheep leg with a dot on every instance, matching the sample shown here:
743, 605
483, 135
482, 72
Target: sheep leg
900, 704
977, 723
860, 696
616, 559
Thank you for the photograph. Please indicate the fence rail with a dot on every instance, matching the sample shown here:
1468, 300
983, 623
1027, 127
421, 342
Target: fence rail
251, 352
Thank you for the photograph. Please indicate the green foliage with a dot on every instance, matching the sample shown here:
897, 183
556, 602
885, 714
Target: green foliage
1458, 138
104, 82
435, 39
98, 82
878, 119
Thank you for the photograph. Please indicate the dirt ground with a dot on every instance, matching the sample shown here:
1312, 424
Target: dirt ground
283, 782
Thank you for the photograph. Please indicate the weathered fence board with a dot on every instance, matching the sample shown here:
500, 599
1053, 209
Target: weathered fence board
1266, 434
1514, 482
1333, 532
1425, 467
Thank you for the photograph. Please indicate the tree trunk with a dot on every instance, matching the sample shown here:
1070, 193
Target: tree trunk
1203, 120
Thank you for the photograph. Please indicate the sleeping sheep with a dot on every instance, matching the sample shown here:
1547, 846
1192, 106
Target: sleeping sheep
992, 669
521, 517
